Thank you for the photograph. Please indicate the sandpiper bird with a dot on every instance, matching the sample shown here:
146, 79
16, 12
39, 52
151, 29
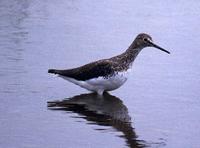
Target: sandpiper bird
107, 74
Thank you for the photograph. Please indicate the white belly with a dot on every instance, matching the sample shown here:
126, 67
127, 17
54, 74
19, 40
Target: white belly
102, 84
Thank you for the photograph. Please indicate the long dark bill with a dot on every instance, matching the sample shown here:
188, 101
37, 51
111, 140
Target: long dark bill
156, 46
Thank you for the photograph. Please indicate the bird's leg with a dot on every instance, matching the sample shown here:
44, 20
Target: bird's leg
100, 92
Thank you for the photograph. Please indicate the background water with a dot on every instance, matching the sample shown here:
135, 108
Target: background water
159, 106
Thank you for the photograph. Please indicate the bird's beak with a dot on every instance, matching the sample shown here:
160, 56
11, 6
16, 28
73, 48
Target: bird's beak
156, 46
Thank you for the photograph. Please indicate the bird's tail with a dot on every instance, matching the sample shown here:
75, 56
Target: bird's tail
54, 71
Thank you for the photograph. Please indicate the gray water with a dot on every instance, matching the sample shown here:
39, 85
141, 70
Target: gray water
159, 105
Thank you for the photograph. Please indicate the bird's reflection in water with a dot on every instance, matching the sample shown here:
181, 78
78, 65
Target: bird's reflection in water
107, 110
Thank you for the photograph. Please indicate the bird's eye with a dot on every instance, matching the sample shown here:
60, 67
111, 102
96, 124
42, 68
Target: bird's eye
145, 39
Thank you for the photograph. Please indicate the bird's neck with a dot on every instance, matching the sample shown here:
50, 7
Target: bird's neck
131, 53
126, 59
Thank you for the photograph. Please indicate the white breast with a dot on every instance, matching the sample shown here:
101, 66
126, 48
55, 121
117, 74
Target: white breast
102, 84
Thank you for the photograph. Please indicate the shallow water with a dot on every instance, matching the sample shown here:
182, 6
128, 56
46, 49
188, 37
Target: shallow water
158, 106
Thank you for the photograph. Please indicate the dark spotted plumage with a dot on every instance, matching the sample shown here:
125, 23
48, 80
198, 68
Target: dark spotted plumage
108, 67
102, 68
92, 70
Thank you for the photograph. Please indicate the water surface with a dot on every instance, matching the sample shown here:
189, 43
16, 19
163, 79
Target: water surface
158, 106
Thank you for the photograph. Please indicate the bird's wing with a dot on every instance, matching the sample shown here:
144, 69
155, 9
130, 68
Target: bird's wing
92, 70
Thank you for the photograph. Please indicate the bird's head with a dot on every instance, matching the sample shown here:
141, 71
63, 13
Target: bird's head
144, 40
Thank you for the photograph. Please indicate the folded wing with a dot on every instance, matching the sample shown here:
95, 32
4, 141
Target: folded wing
102, 68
